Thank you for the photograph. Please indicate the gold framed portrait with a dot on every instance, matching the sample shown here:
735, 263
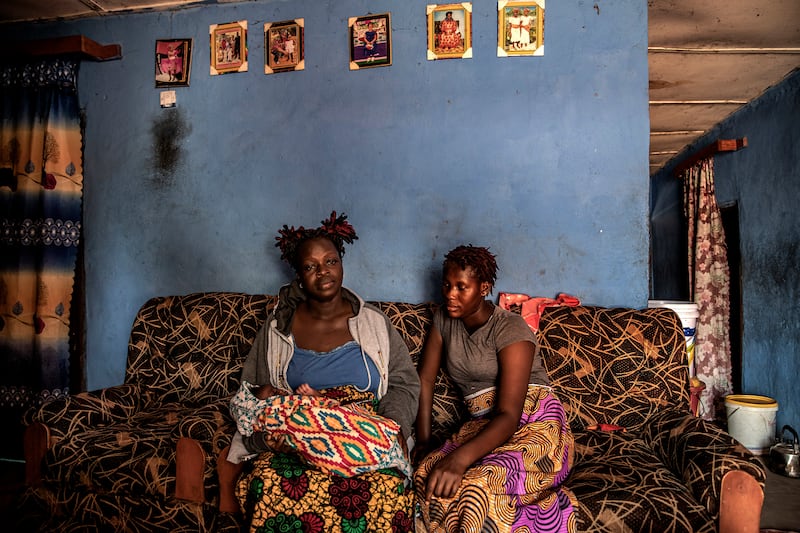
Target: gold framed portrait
228, 47
449, 31
173, 62
520, 28
370, 41
284, 46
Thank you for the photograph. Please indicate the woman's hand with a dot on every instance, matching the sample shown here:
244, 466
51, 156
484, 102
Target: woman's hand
445, 478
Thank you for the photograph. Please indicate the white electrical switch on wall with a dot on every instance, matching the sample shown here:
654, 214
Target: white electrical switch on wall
167, 98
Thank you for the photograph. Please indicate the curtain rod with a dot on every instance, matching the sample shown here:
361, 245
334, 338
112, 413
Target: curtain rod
720, 145
73, 44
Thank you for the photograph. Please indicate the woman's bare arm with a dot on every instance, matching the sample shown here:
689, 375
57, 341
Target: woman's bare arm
515, 362
428, 370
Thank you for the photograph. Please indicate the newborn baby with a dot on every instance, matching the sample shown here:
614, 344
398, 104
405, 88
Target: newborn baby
334, 429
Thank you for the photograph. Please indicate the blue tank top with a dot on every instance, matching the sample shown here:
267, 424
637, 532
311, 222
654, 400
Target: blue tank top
345, 365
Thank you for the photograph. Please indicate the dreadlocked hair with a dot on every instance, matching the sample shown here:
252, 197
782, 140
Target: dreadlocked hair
479, 258
336, 229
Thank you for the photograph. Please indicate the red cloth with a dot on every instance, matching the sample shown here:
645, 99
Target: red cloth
531, 308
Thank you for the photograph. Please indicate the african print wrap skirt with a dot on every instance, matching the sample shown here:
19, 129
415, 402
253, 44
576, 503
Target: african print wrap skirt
281, 491
517, 487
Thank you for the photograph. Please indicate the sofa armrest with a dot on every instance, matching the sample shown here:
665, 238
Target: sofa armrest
702, 454
200, 438
36, 442
741, 502
61, 418
83, 411
211, 425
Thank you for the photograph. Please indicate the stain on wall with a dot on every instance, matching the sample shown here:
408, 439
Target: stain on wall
167, 134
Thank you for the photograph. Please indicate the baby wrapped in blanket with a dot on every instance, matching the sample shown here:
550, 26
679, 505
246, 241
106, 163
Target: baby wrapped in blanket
336, 429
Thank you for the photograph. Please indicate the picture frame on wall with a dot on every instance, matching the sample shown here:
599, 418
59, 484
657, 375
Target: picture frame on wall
520, 28
173, 62
284, 46
228, 47
370, 41
449, 31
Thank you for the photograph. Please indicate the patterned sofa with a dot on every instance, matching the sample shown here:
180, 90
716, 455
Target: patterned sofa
148, 455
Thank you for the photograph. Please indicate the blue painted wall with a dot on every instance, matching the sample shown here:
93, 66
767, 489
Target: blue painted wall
544, 159
764, 180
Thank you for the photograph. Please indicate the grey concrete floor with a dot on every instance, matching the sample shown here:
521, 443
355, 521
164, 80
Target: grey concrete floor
781, 509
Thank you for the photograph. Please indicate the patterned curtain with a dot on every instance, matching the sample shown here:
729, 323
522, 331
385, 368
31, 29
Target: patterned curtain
41, 188
709, 284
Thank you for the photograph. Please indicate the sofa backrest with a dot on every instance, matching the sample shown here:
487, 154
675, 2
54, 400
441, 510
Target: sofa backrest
608, 365
191, 348
614, 365
413, 321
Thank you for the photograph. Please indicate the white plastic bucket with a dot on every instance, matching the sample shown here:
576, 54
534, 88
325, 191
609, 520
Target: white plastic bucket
688, 313
751, 421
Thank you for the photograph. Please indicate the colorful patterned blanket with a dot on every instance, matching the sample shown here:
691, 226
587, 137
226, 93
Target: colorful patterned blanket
338, 432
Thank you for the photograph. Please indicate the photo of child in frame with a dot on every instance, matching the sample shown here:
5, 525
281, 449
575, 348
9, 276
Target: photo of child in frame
283, 46
370, 41
228, 47
172, 62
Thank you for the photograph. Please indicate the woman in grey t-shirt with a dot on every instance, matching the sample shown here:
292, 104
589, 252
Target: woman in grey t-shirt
490, 474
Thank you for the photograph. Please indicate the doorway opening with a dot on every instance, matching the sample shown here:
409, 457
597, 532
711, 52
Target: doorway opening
730, 223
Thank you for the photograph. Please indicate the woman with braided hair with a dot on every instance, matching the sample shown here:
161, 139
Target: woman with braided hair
502, 470
322, 335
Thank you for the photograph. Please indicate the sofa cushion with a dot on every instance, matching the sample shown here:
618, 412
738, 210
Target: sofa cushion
701, 452
622, 485
614, 365
136, 457
413, 321
190, 349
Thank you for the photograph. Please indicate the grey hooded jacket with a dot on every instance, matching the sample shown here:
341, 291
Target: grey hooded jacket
273, 349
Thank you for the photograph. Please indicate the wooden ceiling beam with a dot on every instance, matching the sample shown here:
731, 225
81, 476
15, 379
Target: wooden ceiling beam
79, 45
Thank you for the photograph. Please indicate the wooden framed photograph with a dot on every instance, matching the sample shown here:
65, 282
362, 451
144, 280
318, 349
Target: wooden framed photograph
284, 45
520, 28
173, 62
370, 41
228, 47
449, 31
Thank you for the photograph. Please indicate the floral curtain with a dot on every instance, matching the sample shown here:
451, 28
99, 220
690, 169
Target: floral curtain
709, 284
41, 189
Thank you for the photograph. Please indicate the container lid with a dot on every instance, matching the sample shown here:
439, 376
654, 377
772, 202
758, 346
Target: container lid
751, 400
684, 309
